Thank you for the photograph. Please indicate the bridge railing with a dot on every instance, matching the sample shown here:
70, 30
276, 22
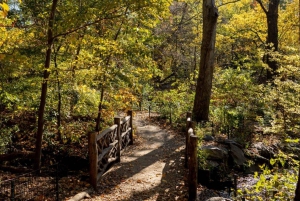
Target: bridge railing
105, 147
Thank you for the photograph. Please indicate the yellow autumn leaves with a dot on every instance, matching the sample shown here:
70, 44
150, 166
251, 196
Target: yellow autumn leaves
4, 9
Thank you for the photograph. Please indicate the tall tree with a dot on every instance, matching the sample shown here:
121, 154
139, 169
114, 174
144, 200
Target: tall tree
272, 36
204, 81
50, 41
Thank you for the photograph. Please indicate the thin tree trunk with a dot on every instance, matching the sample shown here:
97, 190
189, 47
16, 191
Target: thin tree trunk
58, 116
98, 121
74, 94
204, 81
39, 136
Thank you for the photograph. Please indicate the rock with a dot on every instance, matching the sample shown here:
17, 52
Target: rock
252, 154
212, 163
232, 142
237, 154
208, 138
292, 150
215, 153
263, 150
218, 199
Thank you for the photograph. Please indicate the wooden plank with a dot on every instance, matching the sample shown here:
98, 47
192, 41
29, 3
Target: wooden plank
107, 150
106, 131
125, 119
104, 169
126, 132
131, 126
125, 146
117, 121
113, 159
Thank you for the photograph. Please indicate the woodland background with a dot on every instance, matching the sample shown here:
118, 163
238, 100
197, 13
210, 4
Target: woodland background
67, 67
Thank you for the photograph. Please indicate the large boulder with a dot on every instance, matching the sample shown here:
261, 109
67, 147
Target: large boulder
215, 153
237, 155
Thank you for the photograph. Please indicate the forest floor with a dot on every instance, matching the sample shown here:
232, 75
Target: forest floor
151, 169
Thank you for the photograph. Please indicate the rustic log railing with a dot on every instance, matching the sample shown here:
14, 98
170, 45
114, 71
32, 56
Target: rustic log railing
105, 147
191, 161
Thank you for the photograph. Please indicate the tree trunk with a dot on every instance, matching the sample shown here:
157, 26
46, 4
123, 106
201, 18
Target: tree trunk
272, 36
39, 136
297, 192
58, 115
74, 93
204, 81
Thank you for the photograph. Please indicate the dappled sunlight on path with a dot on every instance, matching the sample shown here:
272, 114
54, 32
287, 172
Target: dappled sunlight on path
152, 169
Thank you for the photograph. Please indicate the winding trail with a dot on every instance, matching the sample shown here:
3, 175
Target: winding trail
151, 169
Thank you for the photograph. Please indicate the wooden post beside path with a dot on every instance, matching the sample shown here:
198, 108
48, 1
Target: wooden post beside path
93, 158
188, 126
193, 168
117, 121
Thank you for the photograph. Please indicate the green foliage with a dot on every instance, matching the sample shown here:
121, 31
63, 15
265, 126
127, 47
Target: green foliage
173, 103
275, 183
201, 130
8, 101
130, 48
235, 102
6, 134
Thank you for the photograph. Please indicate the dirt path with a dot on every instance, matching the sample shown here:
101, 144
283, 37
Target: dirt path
151, 169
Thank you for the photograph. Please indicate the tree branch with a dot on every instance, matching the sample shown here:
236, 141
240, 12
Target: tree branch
262, 6
256, 33
83, 26
228, 3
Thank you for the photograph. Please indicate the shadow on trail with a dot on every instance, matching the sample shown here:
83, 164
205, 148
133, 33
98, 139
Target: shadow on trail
169, 152
169, 188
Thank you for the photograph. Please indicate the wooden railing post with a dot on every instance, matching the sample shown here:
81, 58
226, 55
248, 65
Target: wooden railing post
93, 158
193, 168
117, 121
188, 125
129, 113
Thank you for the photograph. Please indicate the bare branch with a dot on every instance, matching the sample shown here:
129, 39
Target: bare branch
230, 2
262, 6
